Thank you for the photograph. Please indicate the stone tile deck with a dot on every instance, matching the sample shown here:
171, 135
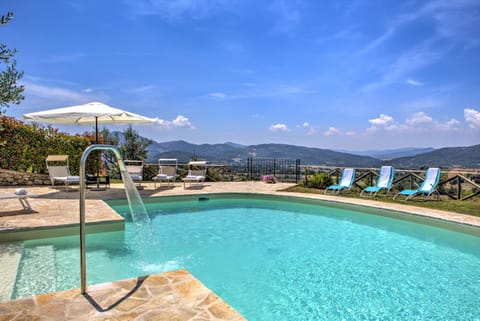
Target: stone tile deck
173, 296
55, 213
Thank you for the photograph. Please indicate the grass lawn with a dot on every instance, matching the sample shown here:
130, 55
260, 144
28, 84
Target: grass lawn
470, 207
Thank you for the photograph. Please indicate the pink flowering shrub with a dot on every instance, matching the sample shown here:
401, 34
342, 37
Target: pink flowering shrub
269, 178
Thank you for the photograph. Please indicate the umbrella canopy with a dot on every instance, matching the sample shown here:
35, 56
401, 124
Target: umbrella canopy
88, 114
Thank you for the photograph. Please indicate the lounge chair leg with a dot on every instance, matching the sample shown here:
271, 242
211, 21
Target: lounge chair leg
25, 204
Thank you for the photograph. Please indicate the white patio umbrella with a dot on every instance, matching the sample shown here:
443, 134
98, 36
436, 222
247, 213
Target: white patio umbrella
88, 114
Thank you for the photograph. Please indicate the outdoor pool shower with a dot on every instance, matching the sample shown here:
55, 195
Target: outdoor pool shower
83, 159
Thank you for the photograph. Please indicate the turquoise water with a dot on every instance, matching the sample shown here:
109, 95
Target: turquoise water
275, 260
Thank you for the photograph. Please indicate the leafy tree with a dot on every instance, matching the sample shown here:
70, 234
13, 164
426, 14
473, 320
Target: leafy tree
320, 180
10, 91
25, 146
109, 159
134, 147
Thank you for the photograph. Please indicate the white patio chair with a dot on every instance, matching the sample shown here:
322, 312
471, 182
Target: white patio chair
167, 171
197, 171
135, 170
60, 173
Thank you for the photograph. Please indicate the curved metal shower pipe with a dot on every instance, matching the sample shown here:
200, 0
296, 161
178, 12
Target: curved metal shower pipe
83, 159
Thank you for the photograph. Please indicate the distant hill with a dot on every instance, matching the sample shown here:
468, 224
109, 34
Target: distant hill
236, 153
467, 157
184, 151
230, 152
234, 144
392, 153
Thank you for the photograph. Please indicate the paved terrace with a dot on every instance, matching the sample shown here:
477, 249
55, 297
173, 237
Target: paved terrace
167, 296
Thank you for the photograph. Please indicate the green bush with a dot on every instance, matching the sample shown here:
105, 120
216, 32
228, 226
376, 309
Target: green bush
320, 180
24, 147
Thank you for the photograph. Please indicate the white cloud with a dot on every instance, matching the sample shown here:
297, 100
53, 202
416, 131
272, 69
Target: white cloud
179, 122
472, 118
176, 10
455, 20
217, 95
414, 82
419, 119
87, 90
378, 41
182, 121
451, 124
383, 122
332, 131
53, 93
415, 59
279, 128
311, 131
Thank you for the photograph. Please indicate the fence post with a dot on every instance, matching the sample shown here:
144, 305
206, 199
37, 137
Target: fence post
306, 176
274, 166
297, 170
459, 189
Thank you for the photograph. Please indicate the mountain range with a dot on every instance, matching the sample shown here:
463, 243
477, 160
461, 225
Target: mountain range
467, 157
391, 153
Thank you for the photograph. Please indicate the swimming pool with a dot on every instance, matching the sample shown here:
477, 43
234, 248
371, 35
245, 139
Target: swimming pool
280, 259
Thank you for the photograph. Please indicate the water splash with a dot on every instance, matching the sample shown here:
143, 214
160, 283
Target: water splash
143, 224
137, 208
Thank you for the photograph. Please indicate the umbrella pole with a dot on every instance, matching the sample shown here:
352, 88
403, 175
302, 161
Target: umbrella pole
96, 130
99, 153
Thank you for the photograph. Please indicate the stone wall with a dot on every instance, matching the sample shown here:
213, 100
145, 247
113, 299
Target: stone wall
13, 178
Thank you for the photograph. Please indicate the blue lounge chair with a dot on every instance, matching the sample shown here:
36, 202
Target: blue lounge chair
385, 180
346, 182
428, 187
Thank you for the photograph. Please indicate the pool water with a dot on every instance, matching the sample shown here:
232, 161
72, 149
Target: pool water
277, 260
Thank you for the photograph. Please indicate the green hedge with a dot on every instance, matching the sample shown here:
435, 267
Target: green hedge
24, 147
320, 180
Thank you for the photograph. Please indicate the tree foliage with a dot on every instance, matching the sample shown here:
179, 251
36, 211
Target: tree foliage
10, 91
24, 147
109, 159
320, 180
134, 146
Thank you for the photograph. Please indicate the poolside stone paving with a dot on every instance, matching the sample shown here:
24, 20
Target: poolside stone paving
167, 296
175, 296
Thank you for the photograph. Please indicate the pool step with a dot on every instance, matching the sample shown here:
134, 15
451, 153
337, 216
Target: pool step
36, 272
10, 255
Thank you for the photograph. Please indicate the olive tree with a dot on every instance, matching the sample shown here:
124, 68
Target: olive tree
10, 91
134, 146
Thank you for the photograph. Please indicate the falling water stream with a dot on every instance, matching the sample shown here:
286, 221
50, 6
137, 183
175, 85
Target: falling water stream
135, 203
143, 225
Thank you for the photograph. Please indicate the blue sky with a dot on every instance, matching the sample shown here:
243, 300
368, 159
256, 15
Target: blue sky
351, 75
